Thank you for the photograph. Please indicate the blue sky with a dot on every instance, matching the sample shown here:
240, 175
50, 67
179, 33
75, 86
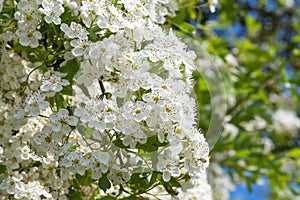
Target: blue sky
241, 193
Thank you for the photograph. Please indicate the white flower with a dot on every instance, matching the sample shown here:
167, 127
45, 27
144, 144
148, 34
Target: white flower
118, 176
155, 98
200, 190
11, 183
74, 30
286, 121
47, 141
53, 81
52, 10
25, 153
138, 110
81, 47
1, 5
99, 163
162, 128
29, 37
220, 182
27, 20
171, 111
97, 113
28, 5
212, 5
138, 79
146, 70
135, 137
268, 144
90, 72
61, 121
196, 156
75, 161
114, 20
168, 162
34, 103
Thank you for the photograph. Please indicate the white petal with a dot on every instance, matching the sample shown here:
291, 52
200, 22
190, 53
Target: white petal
166, 176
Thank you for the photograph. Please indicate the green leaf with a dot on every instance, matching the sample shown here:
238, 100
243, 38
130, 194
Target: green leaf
253, 25
151, 145
169, 185
70, 68
140, 93
84, 90
180, 17
174, 182
294, 153
249, 187
74, 195
85, 179
59, 101
95, 194
108, 198
85, 131
3, 16
104, 183
131, 197
188, 28
118, 142
92, 33
153, 179
67, 16
67, 90
57, 63
242, 153
2, 169
138, 182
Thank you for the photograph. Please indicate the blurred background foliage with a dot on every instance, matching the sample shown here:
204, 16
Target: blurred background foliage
256, 47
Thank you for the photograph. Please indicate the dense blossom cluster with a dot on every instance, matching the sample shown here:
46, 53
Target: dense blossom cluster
289, 124
96, 89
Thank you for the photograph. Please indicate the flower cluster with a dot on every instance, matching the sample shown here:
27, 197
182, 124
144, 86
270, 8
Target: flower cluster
289, 124
96, 98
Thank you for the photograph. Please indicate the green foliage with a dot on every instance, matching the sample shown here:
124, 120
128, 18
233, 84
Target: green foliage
139, 182
267, 66
104, 183
70, 69
2, 169
151, 145
170, 185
